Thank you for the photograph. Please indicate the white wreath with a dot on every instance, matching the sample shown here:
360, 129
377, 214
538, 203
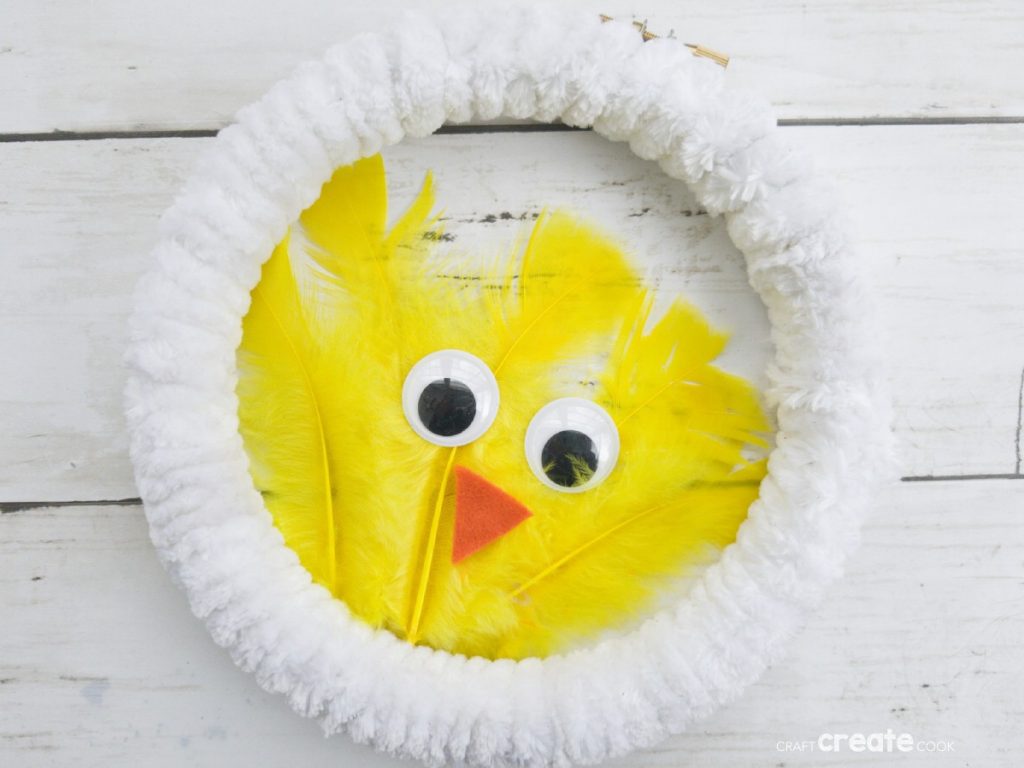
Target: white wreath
214, 534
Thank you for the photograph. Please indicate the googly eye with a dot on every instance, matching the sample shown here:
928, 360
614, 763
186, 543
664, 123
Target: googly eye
572, 444
450, 397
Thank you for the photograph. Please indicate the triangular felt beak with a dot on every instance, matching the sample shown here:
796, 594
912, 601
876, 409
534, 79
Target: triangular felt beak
483, 513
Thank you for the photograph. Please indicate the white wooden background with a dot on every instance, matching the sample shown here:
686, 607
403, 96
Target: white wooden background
916, 107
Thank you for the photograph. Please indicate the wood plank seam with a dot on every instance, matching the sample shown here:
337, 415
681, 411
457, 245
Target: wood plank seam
1020, 418
10, 507
206, 133
1015, 475
945, 478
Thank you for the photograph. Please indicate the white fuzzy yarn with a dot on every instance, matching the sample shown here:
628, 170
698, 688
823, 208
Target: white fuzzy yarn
215, 536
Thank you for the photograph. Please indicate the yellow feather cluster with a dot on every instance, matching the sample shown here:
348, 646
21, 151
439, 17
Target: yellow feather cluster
344, 309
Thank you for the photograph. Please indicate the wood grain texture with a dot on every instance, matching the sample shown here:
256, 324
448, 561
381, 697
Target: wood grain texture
101, 663
148, 65
935, 210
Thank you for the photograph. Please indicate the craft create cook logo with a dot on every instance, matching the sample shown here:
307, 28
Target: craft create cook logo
887, 741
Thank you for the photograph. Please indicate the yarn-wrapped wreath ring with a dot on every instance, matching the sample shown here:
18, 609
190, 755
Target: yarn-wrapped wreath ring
214, 534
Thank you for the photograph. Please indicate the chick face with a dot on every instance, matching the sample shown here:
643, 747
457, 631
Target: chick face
505, 465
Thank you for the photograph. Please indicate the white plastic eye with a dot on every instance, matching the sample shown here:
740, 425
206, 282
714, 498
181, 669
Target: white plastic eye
450, 397
572, 444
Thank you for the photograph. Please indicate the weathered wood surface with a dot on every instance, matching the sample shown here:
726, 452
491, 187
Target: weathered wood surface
101, 663
935, 210
152, 65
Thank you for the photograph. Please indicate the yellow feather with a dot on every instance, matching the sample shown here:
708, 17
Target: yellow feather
282, 421
566, 316
384, 474
549, 309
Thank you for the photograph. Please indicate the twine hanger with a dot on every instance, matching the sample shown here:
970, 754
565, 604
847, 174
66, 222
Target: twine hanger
698, 50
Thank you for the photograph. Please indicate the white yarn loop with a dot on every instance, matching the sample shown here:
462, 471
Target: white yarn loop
217, 540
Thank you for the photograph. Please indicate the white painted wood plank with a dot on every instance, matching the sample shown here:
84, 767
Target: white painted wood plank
147, 64
101, 663
935, 208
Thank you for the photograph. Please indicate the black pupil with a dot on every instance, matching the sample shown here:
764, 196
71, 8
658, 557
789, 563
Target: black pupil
568, 458
446, 407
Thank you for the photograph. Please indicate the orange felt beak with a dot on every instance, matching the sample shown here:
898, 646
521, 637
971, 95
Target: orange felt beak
483, 513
